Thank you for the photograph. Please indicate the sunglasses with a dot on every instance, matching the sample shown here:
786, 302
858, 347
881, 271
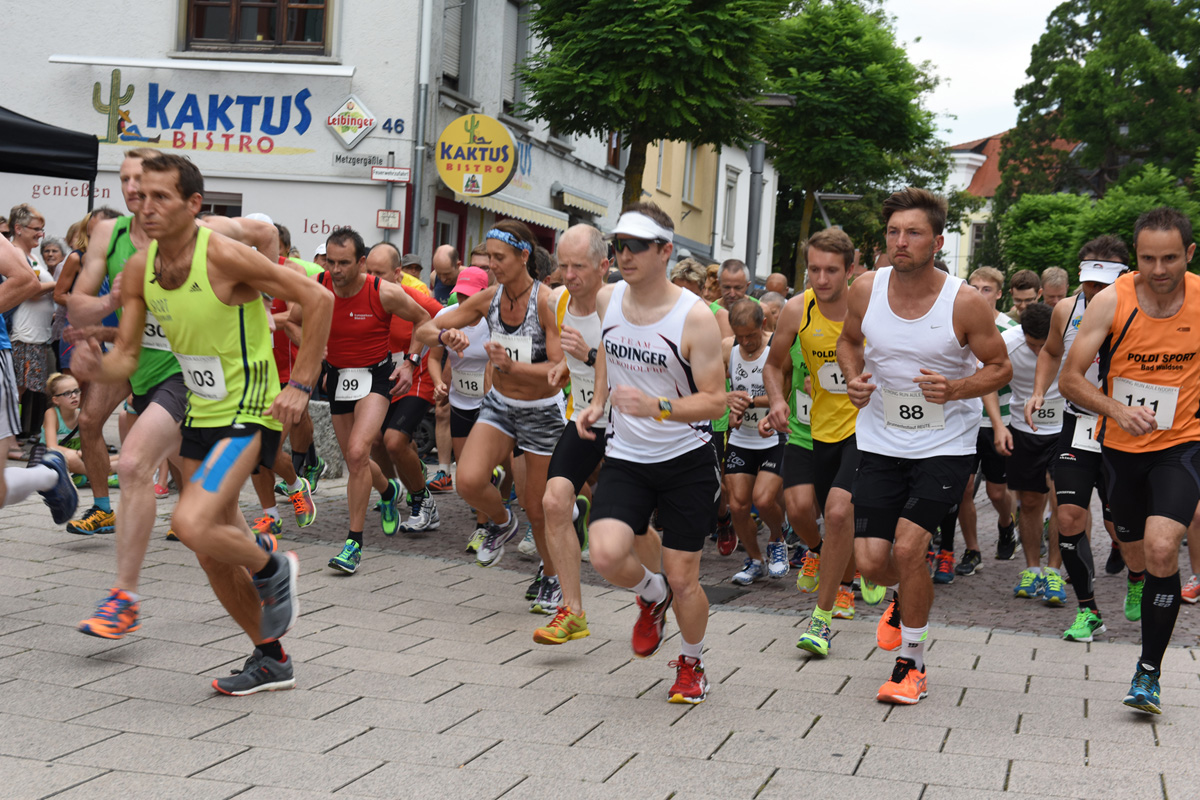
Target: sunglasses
635, 246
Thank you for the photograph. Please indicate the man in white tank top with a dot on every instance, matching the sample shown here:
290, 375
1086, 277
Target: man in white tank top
909, 348
583, 259
662, 362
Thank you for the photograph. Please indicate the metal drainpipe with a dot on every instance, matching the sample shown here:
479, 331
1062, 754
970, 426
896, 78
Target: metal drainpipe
758, 152
422, 112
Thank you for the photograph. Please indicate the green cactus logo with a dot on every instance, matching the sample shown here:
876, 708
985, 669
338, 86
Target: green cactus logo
471, 126
113, 107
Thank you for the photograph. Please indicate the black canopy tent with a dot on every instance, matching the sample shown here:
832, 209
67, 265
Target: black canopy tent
29, 147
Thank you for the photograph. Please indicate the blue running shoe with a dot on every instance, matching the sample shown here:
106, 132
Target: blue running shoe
1054, 588
62, 499
347, 561
1143, 692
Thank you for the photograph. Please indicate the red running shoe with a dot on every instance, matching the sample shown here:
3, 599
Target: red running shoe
650, 626
726, 537
690, 684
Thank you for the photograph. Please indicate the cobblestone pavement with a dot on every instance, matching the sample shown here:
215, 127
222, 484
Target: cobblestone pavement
418, 676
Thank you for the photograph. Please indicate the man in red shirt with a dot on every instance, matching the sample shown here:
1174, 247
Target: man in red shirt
407, 411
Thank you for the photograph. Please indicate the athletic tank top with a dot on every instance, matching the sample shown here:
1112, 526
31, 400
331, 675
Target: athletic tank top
647, 357
63, 431
1153, 362
527, 341
468, 370
358, 333
225, 351
897, 421
1004, 393
833, 414
799, 403
156, 362
746, 376
1078, 306
284, 349
583, 377
1049, 418
400, 337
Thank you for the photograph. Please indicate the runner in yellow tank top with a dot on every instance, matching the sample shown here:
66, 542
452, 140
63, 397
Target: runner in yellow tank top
816, 320
207, 295
1150, 441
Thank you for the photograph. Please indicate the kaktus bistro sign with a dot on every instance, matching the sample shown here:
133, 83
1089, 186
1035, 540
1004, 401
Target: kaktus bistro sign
476, 155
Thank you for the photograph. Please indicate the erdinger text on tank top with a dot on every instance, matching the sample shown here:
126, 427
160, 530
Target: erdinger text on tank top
898, 421
1153, 362
583, 377
746, 376
525, 342
647, 357
1078, 306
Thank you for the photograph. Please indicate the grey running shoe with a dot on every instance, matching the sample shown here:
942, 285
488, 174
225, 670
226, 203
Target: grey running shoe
259, 674
62, 499
492, 549
549, 598
423, 515
280, 607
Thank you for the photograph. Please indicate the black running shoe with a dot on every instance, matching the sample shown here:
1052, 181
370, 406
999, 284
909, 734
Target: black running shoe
260, 673
1116, 561
1006, 545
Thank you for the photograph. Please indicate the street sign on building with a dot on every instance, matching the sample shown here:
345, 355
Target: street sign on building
391, 174
387, 218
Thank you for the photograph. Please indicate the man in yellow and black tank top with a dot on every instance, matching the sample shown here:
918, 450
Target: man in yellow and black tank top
205, 290
1146, 327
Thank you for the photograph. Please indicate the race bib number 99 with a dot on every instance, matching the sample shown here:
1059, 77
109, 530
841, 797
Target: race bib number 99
203, 376
910, 411
353, 384
519, 348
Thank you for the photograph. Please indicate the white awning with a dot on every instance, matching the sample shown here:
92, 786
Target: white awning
577, 198
518, 209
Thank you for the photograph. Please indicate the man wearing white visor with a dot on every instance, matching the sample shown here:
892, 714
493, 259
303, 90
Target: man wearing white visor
1076, 469
660, 365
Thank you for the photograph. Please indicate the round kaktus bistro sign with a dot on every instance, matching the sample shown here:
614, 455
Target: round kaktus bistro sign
476, 155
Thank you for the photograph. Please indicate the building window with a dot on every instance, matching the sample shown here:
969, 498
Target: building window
658, 181
516, 47
458, 45
257, 25
614, 149
728, 228
224, 204
689, 173
977, 230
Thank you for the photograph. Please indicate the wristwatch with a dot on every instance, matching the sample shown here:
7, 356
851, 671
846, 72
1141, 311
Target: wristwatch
413, 358
664, 409
591, 359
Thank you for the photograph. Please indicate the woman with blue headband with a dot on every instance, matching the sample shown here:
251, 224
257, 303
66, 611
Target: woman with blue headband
522, 408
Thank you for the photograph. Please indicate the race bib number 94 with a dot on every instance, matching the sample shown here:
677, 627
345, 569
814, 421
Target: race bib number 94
910, 411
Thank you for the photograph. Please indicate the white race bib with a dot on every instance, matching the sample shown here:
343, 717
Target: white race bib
803, 408
831, 378
352, 384
204, 376
153, 336
1050, 415
752, 416
910, 411
519, 348
1085, 433
468, 384
1160, 399
583, 389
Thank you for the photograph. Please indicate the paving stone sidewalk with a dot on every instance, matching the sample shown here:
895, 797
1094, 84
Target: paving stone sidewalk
418, 676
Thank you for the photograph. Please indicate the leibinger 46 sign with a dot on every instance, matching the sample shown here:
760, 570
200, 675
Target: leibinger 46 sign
351, 122
476, 155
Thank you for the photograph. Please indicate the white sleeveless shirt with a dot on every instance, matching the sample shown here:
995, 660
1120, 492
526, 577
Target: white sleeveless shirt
1078, 306
583, 377
648, 358
746, 376
467, 371
898, 422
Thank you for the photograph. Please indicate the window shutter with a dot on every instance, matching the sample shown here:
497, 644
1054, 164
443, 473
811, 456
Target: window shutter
452, 37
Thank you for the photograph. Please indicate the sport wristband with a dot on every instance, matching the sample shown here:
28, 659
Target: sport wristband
300, 386
441, 333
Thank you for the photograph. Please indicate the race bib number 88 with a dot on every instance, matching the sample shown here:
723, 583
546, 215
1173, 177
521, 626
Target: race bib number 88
910, 411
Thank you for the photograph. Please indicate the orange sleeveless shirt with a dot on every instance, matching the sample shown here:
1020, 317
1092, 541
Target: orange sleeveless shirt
1164, 353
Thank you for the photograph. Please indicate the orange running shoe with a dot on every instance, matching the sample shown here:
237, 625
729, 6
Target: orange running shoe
116, 616
906, 686
887, 632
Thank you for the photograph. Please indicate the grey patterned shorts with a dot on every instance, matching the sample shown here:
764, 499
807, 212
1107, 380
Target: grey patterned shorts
534, 425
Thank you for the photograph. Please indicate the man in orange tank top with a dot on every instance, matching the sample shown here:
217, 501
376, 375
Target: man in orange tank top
1146, 327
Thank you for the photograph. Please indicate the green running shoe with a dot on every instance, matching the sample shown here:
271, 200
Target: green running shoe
314, 473
1133, 599
1086, 625
389, 515
872, 593
816, 638
347, 561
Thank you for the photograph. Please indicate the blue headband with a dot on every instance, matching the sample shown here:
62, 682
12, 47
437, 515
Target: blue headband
507, 238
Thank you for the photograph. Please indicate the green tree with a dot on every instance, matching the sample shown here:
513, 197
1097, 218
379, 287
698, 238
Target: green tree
1041, 230
1118, 78
857, 121
679, 70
